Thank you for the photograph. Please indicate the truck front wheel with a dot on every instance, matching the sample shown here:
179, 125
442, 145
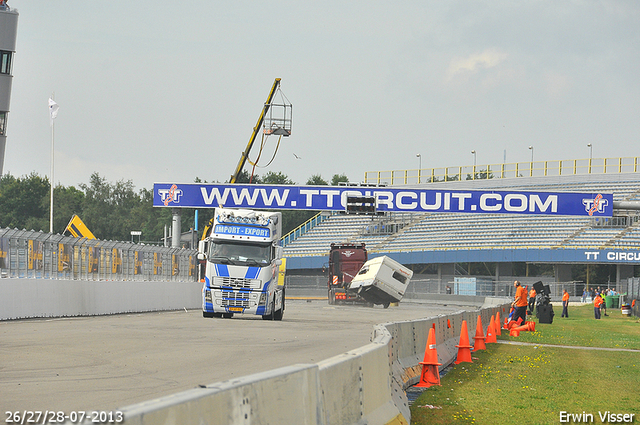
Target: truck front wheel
270, 316
278, 314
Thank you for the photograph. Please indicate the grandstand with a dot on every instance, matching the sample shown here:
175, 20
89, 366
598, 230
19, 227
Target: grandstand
428, 231
430, 238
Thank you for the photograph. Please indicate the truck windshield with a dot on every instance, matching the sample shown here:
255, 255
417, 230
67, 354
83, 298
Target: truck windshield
240, 254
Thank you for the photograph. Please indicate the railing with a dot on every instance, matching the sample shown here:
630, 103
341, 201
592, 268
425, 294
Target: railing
503, 171
303, 228
29, 254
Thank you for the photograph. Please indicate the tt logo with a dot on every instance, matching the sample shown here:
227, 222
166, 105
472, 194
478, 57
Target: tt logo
172, 194
595, 205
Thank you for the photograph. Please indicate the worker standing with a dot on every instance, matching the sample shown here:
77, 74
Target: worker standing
532, 300
520, 303
603, 306
597, 302
565, 303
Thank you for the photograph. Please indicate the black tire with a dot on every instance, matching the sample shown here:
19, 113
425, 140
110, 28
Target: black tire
386, 305
227, 315
278, 314
208, 314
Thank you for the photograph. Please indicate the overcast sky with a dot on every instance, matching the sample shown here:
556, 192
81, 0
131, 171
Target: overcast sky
167, 91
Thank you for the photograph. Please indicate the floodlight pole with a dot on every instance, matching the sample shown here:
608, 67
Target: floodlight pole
419, 168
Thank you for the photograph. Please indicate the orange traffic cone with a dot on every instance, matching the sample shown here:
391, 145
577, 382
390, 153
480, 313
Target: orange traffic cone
514, 332
532, 326
526, 327
430, 374
491, 333
479, 338
464, 348
497, 324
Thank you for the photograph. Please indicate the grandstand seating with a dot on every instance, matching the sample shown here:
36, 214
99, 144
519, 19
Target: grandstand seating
438, 231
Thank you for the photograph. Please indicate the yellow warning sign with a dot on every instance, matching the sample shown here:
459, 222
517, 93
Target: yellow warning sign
78, 229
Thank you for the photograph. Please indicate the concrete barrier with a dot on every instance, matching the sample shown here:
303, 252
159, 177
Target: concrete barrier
366, 385
287, 395
28, 298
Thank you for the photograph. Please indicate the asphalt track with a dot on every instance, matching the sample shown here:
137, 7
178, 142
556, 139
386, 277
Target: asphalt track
106, 362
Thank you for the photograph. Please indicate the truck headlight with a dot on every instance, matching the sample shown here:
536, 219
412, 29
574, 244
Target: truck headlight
263, 299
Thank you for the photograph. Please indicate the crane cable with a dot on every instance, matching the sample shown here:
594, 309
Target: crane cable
255, 164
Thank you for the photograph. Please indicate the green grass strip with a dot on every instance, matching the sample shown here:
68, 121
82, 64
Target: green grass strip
525, 384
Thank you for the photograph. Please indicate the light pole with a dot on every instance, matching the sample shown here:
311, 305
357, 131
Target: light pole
419, 168
473, 152
590, 155
531, 167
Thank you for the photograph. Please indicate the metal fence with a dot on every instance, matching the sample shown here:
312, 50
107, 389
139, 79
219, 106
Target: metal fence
29, 254
485, 286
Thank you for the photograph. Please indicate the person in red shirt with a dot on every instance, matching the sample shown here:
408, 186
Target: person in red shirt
596, 305
520, 303
565, 303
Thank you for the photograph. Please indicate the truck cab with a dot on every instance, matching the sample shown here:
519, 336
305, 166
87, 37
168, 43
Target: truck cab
244, 268
345, 260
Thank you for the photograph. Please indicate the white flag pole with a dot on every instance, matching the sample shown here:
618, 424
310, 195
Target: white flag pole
53, 112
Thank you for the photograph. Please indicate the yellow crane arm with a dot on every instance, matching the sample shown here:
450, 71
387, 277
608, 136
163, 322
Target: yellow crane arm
256, 129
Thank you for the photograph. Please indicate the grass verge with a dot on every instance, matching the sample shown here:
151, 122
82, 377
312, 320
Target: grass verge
508, 384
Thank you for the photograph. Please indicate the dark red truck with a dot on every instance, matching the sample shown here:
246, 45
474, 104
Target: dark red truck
345, 260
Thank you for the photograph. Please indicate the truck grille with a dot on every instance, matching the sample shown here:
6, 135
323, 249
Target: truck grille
235, 299
236, 282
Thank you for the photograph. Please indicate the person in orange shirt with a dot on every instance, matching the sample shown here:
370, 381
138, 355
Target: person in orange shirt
565, 303
532, 300
596, 305
520, 303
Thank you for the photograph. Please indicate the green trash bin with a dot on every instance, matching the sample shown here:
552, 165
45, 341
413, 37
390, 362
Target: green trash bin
608, 302
615, 301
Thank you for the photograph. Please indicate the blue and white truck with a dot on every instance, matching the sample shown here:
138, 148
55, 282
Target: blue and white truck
244, 267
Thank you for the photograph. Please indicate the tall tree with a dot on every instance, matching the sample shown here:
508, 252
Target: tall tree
338, 178
316, 180
24, 202
276, 178
67, 201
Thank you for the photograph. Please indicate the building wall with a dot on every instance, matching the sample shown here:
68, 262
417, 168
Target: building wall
8, 33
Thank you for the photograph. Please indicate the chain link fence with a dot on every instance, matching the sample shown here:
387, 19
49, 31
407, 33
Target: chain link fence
29, 254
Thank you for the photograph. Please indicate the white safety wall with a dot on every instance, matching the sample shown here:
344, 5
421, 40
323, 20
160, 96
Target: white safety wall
29, 298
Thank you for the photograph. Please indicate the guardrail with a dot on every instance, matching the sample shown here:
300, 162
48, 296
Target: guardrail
507, 170
30, 254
